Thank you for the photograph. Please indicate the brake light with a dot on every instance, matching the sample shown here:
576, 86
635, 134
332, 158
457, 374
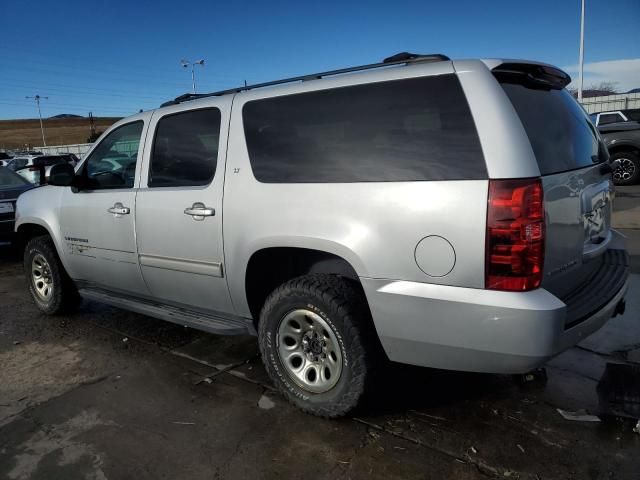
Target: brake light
515, 235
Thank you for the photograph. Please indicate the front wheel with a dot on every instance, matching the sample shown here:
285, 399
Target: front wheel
51, 288
628, 170
318, 344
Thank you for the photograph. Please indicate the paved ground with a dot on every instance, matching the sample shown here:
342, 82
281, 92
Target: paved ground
106, 394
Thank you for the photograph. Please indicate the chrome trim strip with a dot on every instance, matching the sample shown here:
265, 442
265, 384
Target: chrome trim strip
211, 269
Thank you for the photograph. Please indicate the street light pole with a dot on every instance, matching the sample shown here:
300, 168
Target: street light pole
581, 81
187, 63
37, 99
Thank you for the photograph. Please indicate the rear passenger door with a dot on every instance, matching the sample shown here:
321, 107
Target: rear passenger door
179, 207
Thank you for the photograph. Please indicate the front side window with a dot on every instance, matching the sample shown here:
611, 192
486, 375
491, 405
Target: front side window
185, 149
113, 163
403, 130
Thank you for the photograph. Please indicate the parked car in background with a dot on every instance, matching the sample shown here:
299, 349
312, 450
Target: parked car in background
32, 167
11, 186
71, 158
422, 209
26, 153
623, 142
617, 116
4, 158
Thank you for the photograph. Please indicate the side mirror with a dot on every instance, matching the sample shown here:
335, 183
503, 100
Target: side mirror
61, 175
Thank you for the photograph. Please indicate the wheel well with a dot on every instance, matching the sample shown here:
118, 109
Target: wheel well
624, 148
28, 231
271, 267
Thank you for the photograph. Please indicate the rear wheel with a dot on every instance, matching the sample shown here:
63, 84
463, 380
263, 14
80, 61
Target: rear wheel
318, 344
51, 288
628, 170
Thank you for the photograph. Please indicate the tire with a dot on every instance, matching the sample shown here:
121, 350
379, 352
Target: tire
628, 173
327, 301
51, 288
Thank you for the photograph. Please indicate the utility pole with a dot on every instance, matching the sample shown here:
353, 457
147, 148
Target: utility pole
186, 64
37, 98
581, 81
92, 126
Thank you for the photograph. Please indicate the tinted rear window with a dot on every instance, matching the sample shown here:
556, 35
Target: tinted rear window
403, 130
561, 135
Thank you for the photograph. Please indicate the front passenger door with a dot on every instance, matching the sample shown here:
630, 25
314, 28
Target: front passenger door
97, 219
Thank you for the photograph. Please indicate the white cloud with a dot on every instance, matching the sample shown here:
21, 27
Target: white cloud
624, 73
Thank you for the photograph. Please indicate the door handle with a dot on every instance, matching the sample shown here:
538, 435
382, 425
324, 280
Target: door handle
119, 209
198, 211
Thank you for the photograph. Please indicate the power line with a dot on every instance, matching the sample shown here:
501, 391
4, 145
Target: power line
98, 105
150, 72
71, 60
75, 91
70, 109
79, 74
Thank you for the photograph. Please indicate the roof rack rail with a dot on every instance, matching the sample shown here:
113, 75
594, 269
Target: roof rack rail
398, 59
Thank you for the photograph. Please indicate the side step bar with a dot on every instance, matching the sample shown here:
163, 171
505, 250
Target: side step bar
216, 324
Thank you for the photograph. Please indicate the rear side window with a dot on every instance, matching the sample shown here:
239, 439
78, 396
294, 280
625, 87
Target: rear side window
561, 135
402, 130
185, 149
17, 163
607, 118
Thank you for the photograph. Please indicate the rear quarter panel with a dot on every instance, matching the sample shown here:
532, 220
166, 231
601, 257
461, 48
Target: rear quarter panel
374, 226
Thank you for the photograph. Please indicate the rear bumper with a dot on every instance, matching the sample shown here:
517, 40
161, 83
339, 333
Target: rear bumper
477, 330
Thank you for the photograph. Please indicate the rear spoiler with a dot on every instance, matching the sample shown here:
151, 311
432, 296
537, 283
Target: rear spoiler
532, 75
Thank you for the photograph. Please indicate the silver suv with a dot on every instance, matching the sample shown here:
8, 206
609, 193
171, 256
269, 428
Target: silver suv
449, 214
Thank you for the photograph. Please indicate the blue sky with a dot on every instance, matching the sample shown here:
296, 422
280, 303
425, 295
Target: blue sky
115, 57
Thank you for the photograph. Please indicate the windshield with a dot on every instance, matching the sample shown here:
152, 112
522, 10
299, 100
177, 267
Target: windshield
10, 179
561, 135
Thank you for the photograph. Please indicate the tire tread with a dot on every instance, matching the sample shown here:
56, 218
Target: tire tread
350, 305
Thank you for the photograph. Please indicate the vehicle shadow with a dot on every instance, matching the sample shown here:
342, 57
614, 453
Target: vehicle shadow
9, 254
400, 388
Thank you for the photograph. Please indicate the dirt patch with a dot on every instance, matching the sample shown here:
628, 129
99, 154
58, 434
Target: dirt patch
34, 372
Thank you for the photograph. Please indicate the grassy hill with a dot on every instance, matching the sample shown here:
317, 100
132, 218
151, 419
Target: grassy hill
58, 131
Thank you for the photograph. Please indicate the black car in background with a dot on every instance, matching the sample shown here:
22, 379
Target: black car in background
623, 142
11, 186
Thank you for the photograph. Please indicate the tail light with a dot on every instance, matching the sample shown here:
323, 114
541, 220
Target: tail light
515, 235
